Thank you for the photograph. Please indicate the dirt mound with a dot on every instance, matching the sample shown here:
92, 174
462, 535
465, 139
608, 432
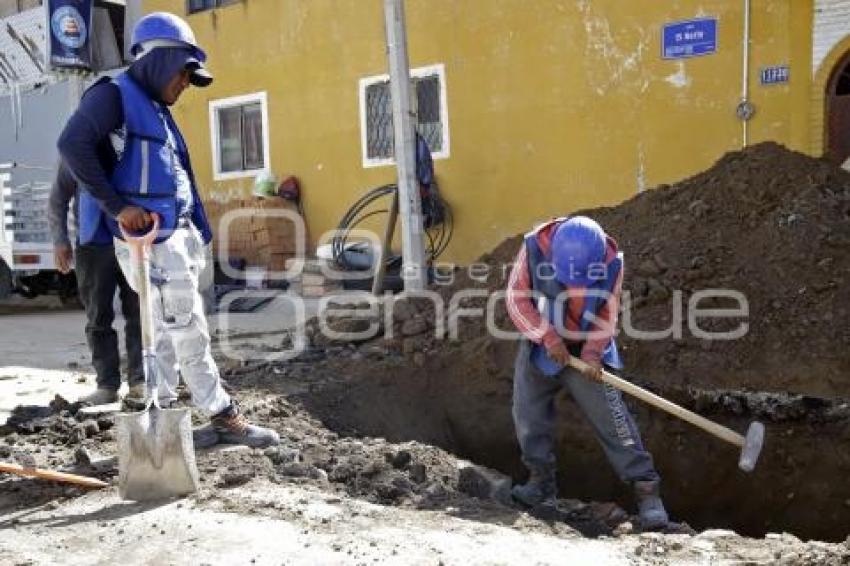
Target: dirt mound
767, 223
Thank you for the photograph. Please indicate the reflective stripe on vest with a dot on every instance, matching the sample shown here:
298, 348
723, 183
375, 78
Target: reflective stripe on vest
144, 182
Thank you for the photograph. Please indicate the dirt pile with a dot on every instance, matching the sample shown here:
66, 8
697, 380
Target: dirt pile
768, 223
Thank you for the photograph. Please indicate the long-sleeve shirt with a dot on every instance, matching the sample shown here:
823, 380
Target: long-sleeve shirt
64, 190
85, 144
534, 326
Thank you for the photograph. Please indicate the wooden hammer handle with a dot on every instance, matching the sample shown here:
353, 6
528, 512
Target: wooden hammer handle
711, 427
51, 475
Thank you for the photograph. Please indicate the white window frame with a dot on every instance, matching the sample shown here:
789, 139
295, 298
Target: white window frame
215, 106
438, 69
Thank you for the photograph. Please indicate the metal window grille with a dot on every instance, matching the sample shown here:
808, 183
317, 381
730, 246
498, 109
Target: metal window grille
201, 5
379, 116
240, 134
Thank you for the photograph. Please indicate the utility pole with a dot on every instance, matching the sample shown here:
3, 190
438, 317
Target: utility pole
414, 270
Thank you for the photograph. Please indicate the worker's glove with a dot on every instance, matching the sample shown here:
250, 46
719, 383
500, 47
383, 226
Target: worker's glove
559, 353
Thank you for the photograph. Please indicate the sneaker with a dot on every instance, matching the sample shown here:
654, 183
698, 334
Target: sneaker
539, 489
651, 512
101, 396
233, 428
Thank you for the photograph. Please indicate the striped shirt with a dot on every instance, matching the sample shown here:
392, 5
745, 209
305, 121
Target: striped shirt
528, 320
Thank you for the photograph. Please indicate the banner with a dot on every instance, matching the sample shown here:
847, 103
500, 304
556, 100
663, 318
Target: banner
69, 25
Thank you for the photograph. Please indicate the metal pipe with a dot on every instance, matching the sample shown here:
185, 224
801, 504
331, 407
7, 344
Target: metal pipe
745, 83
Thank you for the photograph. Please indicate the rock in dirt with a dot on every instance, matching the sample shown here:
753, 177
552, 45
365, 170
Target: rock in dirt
484, 483
90, 427
82, 457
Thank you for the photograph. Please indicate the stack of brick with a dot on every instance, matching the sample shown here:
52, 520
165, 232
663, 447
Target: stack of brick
256, 235
314, 279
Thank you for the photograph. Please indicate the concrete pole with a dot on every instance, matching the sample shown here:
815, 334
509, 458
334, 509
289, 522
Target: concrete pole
412, 242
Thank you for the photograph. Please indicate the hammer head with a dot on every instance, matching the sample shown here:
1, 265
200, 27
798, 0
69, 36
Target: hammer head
751, 449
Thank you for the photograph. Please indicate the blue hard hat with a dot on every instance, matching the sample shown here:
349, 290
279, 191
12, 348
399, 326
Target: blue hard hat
578, 244
164, 29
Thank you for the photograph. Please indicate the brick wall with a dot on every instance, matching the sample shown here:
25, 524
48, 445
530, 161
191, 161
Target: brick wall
260, 238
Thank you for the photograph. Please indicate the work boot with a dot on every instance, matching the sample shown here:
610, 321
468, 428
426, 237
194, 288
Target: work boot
135, 398
540, 487
101, 396
205, 436
233, 428
651, 510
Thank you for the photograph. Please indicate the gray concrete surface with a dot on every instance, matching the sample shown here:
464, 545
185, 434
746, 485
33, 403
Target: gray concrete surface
304, 527
43, 349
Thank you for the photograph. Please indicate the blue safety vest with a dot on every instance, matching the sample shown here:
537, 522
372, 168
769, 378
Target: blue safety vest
546, 290
144, 174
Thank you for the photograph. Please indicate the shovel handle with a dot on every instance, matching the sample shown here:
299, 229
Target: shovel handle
140, 241
51, 475
140, 246
711, 427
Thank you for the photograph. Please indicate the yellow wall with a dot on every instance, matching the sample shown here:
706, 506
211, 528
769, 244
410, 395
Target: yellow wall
553, 105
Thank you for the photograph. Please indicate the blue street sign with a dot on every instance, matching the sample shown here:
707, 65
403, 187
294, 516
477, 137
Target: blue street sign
775, 75
691, 38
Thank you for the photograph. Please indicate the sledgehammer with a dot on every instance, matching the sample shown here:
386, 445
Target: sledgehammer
750, 445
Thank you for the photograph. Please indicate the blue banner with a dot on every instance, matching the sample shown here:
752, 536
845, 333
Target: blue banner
69, 29
692, 38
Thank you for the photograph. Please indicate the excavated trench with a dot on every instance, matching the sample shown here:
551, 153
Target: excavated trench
768, 225
799, 486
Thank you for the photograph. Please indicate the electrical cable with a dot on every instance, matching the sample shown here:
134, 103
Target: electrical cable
437, 219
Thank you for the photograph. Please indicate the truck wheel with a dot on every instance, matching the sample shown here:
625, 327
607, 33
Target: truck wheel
6, 285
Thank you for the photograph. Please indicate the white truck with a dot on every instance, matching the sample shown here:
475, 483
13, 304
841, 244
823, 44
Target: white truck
26, 248
37, 102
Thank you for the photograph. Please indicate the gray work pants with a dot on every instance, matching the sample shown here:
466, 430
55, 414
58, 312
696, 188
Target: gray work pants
181, 334
602, 405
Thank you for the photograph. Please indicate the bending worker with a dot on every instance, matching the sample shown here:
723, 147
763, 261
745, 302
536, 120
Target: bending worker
126, 150
563, 295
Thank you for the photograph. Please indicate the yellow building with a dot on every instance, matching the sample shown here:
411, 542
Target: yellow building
535, 107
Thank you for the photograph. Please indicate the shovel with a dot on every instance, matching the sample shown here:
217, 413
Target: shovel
750, 445
51, 475
156, 456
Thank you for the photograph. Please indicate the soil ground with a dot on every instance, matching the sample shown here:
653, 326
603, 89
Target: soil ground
379, 435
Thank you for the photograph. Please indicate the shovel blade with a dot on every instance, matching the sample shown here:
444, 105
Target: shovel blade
156, 457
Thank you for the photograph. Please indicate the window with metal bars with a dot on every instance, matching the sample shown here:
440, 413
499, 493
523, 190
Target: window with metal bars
377, 116
193, 6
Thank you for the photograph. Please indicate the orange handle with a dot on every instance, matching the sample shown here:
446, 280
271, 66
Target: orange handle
51, 475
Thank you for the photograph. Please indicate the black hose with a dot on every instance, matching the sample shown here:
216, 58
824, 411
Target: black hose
439, 227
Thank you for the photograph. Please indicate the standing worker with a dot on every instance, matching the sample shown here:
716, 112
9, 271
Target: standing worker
563, 295
126, 150
98, 277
